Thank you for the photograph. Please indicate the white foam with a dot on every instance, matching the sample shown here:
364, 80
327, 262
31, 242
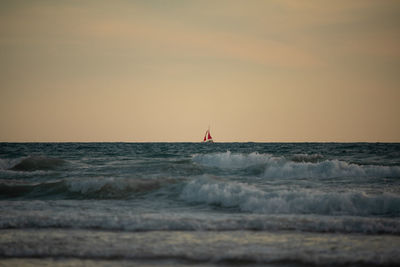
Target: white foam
304, 166
196, 248
108, 216
231, 160
250, 199
307, 157
327, 169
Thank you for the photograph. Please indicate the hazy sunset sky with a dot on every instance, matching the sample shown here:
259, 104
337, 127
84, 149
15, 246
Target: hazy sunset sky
166, 70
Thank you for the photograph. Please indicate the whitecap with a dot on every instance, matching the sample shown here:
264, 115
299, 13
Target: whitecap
247, 198
305, 166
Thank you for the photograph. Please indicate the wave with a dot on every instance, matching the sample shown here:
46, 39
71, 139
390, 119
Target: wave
247, 198
299, 166
230, 160
307, 158
211, 192
115, 188
83, 188
36, 215
71, 248
36, 163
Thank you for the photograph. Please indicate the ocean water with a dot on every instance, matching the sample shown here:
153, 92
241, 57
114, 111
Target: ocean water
194, 204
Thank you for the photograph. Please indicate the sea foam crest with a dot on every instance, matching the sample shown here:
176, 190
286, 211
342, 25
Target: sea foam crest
250, 199
307, 158
70, 214
230, 160
327, 169
300, 166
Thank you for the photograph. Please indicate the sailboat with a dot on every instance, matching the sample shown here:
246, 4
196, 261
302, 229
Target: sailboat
207, 137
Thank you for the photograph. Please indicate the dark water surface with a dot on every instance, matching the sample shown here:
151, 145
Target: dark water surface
151, 204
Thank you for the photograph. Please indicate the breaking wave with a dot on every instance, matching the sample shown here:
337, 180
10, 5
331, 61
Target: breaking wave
84, 188
230, 160
307, 158
299, 166
247, 198
36, 163
123, 221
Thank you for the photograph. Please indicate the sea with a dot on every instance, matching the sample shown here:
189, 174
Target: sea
199, 204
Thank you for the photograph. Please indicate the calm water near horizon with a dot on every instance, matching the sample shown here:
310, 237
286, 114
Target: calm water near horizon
181, 204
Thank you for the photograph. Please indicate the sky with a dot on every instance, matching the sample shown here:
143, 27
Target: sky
165, 71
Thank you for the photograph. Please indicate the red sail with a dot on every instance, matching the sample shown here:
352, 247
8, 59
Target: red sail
207, 137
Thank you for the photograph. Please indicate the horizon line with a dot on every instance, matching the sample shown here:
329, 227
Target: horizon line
196, 142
